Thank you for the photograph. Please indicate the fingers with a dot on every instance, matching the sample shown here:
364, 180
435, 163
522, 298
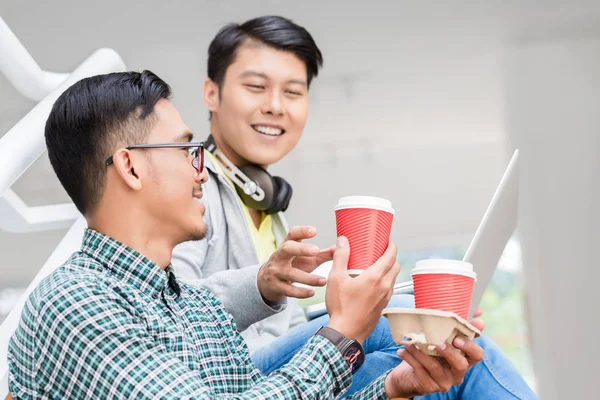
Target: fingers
298, 276
298, 233
473, 352
389, 279
478, 313
458, 363
433, 367
288, 290
340, 257
440, 374
386, 261
325, 255
385, 270
392, 274
478, 323
309, 264
425, 382
291, 249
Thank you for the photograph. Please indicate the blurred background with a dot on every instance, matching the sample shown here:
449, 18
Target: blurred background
421, 102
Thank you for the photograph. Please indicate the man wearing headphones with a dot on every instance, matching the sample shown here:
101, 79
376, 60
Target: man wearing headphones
259, 73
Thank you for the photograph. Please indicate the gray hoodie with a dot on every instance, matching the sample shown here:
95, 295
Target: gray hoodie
226, 263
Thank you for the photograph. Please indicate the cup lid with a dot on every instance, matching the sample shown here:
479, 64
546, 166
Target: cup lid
376, 203
442, 266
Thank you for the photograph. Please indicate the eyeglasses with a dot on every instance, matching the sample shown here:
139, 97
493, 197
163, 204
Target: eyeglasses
196, 150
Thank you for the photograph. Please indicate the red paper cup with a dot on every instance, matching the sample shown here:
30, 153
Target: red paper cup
445, 285
367, 223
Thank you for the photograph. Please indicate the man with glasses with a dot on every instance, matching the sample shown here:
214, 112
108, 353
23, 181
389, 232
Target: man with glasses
196, 150
114, 321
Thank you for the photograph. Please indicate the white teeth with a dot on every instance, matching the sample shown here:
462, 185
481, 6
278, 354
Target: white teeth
267, 130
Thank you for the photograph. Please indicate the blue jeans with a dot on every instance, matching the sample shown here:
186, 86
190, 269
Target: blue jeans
493, 378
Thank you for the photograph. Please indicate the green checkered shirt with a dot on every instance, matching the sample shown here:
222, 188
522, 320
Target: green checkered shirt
111, 323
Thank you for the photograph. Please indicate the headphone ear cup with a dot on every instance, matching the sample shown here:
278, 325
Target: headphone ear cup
282, 195
262, 178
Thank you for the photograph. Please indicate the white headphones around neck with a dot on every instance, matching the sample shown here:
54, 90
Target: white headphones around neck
255, 186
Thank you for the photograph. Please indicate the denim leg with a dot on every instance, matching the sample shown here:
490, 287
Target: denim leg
493, 378
279, 352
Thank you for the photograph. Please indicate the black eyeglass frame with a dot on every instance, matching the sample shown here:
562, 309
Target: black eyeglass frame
198, 158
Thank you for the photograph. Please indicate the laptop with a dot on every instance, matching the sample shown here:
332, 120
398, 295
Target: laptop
495, 229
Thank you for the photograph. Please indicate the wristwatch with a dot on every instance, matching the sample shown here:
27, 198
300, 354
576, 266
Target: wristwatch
351, 350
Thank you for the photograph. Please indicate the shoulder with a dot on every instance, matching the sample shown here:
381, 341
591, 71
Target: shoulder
79, 272
76, 287
203, 298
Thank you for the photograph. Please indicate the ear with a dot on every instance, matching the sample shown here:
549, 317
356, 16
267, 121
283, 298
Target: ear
211, 95
127, 169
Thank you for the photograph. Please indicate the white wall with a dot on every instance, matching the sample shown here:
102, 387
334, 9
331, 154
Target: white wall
553, 103
408, 105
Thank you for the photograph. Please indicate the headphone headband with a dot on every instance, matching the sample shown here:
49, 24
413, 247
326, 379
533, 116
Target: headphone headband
234, 173
255, 186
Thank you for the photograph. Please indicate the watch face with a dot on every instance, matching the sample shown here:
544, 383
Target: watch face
354, 356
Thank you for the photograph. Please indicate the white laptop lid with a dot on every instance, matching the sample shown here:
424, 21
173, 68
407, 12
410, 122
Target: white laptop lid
495, 229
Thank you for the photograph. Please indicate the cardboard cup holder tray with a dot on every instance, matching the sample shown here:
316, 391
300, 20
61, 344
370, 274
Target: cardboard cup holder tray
427, 328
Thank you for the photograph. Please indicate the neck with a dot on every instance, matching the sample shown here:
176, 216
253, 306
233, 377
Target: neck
224, 147
129, 226
235, 159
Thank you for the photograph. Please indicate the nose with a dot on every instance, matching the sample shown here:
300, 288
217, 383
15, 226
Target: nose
273, 104
201, 177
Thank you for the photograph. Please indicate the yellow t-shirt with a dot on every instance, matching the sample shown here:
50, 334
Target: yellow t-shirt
263, 237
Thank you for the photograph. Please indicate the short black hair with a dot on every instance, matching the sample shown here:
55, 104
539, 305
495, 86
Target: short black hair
91, 120
277, 32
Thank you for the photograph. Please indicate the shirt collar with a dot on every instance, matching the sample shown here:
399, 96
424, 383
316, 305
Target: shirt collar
211, 163
127, 264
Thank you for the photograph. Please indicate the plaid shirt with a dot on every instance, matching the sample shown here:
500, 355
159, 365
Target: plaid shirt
111, 323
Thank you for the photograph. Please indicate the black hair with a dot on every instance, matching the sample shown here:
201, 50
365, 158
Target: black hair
90, 120
277, 32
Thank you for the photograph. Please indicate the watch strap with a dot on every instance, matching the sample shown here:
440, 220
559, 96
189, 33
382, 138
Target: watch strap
334, 336
350, 349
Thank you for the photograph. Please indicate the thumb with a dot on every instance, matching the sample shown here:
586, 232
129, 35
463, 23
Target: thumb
341, 256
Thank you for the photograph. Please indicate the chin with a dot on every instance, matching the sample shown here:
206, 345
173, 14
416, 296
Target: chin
266, 157
198, 234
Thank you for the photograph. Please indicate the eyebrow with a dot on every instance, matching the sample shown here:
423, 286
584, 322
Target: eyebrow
185, 137
265, 76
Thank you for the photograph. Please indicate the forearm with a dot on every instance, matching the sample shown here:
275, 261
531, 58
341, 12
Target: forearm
238, 291
375, 390
316, 371
319, 371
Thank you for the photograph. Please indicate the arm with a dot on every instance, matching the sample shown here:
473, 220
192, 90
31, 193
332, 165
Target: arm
253, 293
310, 380
91, 343
237, 289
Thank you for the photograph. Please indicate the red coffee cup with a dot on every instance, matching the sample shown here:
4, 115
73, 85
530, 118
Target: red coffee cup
367, 223
445, 285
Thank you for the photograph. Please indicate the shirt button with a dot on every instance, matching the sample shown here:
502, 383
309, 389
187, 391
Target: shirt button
155, 296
